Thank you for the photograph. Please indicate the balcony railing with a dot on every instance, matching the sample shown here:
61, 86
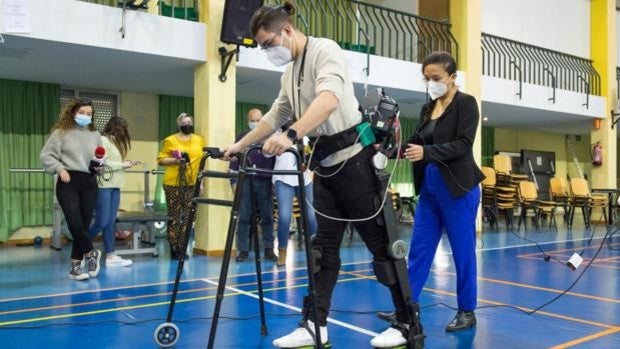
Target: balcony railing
182, 9
367, 28
509, 59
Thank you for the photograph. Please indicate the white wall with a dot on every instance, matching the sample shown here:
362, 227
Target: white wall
410, 6
95, 25
560, 25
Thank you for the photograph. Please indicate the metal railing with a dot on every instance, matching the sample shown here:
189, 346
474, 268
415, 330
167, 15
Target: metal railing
509, 59
368, 28
181, 9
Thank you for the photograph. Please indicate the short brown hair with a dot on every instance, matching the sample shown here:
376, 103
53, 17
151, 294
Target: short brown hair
272, 18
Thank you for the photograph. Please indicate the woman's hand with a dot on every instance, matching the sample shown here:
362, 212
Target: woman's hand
414, 152
64, 176
127, 164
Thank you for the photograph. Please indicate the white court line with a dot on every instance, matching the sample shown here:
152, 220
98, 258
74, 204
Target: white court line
290, 307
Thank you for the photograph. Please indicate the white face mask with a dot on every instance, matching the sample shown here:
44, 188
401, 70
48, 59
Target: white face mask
252, 125
279, 55
436, 89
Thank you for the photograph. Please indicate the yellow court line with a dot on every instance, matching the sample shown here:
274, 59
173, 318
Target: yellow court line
130, 307
608, 259
594, 264
119, 299
594, 323
587, 338
517, 284
278, 271
566, 250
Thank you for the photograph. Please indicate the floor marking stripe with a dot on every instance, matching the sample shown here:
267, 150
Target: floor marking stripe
290, 307
587, 338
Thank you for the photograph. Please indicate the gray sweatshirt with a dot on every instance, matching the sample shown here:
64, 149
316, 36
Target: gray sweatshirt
70, 149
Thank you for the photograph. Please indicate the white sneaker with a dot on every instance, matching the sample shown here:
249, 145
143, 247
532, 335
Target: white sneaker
115, 261
93, 259
388, 339
300, 337
76, 272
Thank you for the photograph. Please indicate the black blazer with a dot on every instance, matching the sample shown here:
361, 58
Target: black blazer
452, 144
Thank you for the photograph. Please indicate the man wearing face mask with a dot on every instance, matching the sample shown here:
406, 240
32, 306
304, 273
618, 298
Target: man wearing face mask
180, 154
264, 202
317, 93
446, 177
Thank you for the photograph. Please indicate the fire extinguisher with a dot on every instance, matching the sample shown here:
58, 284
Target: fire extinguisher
597, 154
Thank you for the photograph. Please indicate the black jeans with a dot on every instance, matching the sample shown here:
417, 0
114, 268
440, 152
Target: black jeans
352, 193
78, 199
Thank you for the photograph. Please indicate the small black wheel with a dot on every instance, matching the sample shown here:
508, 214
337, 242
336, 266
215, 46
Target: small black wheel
166, 334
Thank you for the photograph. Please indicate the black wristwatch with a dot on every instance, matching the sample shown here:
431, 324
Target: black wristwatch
292, 135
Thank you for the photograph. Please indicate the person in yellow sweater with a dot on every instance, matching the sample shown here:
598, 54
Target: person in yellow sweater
182, 150
116, 141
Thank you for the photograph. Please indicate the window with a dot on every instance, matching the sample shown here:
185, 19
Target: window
105, 104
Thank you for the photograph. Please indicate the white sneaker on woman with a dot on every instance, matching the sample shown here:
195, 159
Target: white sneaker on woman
93, 261
115, 261
301, 337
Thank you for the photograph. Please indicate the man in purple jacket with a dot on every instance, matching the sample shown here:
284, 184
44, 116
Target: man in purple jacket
264, 202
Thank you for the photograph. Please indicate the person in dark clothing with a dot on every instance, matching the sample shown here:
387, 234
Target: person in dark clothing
447, 179
264, 202
317, 93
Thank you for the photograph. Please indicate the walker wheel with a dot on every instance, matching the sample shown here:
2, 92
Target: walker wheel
166, 334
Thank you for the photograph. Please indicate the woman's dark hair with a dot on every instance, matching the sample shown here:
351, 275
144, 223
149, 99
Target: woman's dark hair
442, 58
116, 131
272, 18
66, 120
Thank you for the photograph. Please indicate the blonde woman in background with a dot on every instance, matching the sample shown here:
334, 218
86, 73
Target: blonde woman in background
180, 150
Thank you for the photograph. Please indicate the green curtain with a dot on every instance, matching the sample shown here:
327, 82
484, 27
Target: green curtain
488, 145
241, 116
27, 112
169, 109
402, 180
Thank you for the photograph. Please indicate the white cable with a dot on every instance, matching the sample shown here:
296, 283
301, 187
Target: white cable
349, 155
384, 194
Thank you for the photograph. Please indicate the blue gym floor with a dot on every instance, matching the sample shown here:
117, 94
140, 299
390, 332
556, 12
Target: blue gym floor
41, 308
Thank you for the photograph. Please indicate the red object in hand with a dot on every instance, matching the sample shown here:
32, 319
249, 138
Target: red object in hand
99, 152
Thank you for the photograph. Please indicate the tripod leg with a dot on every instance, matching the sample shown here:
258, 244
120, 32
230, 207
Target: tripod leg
257, 259
309, 257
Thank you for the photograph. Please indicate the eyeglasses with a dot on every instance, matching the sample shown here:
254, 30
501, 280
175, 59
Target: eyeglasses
269, 43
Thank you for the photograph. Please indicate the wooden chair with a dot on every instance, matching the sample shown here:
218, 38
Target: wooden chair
582, 198
560, 195
505, 175
528, 197
497, 198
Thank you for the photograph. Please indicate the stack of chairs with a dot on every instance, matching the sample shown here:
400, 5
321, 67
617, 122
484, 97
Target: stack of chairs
560, 195
505, 175
496, 198
582, 198
528, 197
